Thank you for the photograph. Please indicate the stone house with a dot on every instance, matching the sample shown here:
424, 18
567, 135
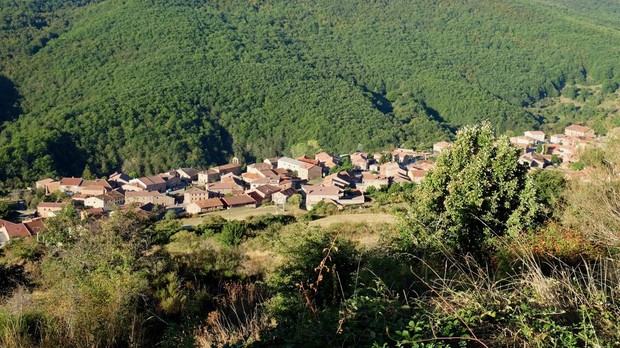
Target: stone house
305, 171
150, 183
239, 201
195, 195
316, 193
144, 197
206, 205
579, 131
107, 201
49, 209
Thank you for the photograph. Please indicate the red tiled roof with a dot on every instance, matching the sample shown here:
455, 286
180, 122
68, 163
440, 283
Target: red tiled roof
251, 176
308, 165
268, 189
210, 203
288, 192
371, 176
309, 160
153, 180
224, 185
255, 196
262, 166
35, 226
15, 230
227, 166
238, 200
70, 181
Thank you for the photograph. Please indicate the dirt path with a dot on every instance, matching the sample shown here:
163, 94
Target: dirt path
355, 218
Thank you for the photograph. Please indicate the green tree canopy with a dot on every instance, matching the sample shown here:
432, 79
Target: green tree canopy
478, 189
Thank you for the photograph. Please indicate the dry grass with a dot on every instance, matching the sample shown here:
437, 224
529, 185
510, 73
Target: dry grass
536, 292
370, 219
258, 262
238, 319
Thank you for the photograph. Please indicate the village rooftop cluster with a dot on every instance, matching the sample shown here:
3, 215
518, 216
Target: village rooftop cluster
540, 151
273, 181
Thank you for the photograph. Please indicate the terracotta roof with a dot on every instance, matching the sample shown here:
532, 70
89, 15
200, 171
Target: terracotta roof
152, 180
288, 192
268, 189
251, 176
307, 165
70, 181
209, 203
238, 200
188, 171
271, 173
307, 159
94, 187
371, 176
264, 181
389, 165
257, 196
228, 184
227, 166
359, 156
15, 230
261, 166
110, 196
324, 156
35, 226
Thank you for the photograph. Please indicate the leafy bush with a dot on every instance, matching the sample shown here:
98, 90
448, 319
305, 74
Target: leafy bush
478, 190
233, 232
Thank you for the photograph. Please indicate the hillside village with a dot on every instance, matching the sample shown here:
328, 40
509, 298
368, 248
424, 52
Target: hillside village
341, 180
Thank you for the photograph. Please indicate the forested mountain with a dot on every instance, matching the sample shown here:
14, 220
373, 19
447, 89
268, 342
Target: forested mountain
145, 85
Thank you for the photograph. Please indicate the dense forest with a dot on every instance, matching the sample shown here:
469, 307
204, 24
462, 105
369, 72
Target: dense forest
146, 85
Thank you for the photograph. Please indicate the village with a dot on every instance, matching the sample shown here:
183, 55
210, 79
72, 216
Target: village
274, 181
